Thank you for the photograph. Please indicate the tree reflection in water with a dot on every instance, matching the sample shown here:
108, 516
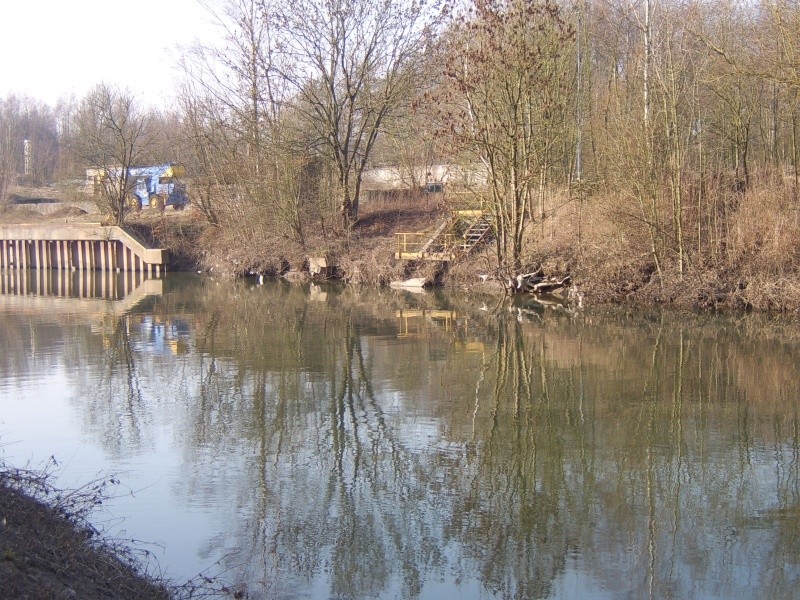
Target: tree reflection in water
483, 455
602, 447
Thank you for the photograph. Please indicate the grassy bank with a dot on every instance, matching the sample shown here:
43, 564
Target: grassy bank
745, 255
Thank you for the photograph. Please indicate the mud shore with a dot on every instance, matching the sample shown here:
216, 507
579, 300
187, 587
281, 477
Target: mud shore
47, 551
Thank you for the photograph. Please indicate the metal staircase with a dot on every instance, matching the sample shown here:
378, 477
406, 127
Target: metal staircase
455, 237
478, 232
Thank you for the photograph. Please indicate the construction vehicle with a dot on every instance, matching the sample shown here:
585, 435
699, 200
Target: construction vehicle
156, 186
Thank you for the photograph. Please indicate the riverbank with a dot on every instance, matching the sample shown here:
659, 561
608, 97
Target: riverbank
605, 268
752, 267
49, 550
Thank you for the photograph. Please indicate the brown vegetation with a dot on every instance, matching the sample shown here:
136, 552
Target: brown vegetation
598, 242
648, 149
48, 549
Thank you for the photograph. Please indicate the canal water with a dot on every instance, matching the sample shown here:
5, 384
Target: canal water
314, 442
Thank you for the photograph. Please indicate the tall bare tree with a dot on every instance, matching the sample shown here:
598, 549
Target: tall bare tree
248, 167
28, 142
111, 135
353, 62
510, 68
10, 148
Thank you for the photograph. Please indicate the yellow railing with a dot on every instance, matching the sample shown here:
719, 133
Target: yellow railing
435, 244
410, 242
417, 244
443, 244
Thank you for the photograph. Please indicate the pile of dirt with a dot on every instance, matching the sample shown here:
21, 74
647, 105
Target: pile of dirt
16, 214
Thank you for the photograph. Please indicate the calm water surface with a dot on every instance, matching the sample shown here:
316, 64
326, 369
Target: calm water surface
322, 443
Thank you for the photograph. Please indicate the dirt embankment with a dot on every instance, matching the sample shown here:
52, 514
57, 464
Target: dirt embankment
601, 252
48, 550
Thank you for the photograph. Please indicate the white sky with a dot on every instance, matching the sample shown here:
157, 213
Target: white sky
54, 48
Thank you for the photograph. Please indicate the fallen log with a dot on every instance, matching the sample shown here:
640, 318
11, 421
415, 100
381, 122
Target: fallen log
549, 285
537, 283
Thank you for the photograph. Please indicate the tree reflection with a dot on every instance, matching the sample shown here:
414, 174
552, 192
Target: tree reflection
646, 456
113, 404
575, 454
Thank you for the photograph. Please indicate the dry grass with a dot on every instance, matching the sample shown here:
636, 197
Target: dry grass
49, 550
252, 243
741, 249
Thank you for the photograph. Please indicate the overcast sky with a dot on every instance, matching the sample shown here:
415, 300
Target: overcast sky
53, 48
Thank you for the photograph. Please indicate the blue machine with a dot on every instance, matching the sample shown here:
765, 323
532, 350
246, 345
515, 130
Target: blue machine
158, 186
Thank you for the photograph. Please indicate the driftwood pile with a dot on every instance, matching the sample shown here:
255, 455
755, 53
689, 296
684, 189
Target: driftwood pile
536, 283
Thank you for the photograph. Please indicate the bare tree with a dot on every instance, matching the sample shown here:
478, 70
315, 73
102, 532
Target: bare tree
10, 146
352, 64
509, 72
111, 135
28, 143
248, 167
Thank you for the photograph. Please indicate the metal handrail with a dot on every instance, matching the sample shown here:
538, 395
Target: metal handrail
435, 243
